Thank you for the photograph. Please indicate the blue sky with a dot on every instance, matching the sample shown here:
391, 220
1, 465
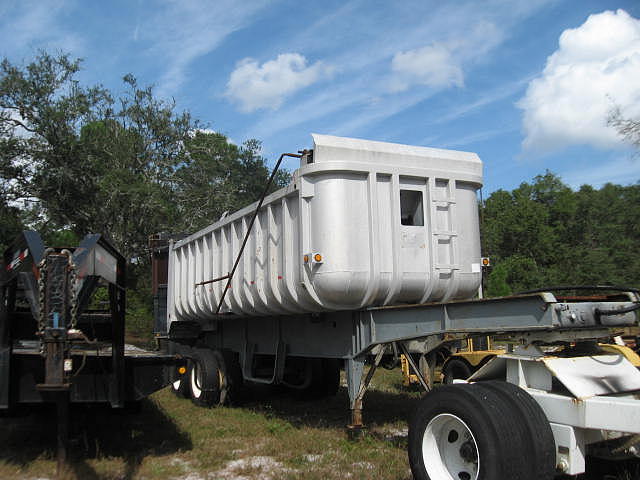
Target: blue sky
526, 84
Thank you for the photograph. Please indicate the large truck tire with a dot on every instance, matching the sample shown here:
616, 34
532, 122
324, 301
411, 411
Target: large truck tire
205, 378
232, 385
454, 369
537, 431
468, 432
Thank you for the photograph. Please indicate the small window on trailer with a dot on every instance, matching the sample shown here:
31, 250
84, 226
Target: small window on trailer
411, 208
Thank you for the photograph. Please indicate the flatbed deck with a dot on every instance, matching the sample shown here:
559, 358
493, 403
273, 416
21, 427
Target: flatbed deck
98, 349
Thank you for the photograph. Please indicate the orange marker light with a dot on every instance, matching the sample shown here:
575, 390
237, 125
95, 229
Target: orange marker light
182, 370
306, 258
317, 257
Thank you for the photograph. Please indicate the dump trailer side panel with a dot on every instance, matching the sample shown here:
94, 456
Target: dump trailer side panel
362, 223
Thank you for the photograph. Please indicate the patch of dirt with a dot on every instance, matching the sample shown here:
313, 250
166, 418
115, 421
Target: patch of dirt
251, 468
396, 433
363, 465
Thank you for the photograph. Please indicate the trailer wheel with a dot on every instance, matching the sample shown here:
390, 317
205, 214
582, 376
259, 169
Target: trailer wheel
454, 369
232, 385
536, 429
466, 432
205, 378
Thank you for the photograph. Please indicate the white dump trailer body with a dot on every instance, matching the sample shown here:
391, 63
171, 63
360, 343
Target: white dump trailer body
362, 223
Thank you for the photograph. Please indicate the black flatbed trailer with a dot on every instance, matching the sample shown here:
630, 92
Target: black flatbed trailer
145, 373
61, 344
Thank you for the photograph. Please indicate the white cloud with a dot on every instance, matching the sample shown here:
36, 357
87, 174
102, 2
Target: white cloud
440, 64
256, 86
363, 52
596, 66
432, 65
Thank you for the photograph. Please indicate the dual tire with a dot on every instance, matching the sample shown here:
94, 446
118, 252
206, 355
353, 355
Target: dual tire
212, 379
481, 431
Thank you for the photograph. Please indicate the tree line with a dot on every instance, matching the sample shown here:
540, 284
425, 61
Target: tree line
543, 233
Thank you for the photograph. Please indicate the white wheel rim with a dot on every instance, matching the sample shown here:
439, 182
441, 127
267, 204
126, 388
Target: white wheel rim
449, 449
195, 390
176, 385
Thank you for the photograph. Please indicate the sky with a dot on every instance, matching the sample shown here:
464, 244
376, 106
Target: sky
526, 84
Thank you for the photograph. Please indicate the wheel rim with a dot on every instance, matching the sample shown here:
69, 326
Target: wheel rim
196, 381
449, 449
176, 385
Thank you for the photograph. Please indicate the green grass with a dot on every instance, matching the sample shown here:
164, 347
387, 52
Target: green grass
271, 436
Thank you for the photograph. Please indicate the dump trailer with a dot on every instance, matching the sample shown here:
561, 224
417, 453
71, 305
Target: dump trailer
372, 251
59, 343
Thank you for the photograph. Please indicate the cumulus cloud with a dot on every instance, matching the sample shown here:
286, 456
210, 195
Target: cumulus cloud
432, 65
440, 64
254, 86
596, 66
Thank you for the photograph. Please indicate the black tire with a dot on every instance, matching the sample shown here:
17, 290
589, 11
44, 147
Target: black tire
538, 436
232, 387
464, 430
455, 368
205, 378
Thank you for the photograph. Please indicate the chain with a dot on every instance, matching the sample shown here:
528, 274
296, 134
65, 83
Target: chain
42, 281
73, 289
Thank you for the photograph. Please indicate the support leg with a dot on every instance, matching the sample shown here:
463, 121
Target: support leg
117, 304
358, 387
62, 407
354, 368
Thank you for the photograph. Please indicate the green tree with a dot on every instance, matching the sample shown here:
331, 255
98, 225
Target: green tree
94, 163
218, 177
126, 166
10, 224
543, 234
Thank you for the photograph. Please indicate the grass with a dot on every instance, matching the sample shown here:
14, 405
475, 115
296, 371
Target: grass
271, 436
